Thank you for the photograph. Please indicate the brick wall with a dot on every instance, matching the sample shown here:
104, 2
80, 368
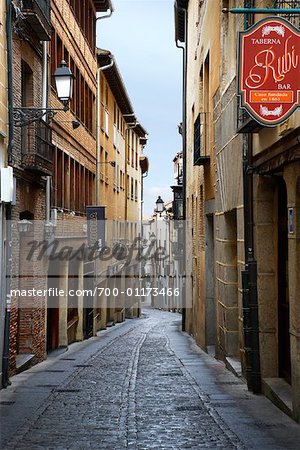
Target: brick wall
79, 143
28, 323
3, 71
28, 316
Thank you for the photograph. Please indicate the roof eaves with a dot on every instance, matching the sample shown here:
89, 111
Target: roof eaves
102, 5
140, 130
116, 83
180, 8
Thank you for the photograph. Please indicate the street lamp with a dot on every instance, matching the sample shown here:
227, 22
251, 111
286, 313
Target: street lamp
160, 205
24, 226
152, 236
64, 80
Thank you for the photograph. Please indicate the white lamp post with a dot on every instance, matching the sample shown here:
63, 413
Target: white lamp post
160, 205
64, 81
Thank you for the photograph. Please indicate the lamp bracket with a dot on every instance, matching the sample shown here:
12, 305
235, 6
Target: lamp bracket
24, 116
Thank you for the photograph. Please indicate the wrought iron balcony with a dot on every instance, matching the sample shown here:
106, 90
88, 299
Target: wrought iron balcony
177, 250
199, 143
245, 123
37, 147
37, 14
288, 4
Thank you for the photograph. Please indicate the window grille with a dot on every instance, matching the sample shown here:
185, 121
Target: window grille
286, 4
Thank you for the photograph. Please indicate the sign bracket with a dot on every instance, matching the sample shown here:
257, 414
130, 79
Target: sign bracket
290, 11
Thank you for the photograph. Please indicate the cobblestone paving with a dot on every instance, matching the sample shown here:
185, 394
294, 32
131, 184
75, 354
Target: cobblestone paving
133, 394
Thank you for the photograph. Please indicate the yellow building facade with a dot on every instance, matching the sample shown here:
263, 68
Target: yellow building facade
122, 141
121, 165
74, 165
253, 175
202, 83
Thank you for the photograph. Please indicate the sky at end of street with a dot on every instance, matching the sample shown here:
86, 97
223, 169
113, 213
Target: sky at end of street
141, 35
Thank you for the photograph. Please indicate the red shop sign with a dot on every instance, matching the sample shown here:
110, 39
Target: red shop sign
269, 70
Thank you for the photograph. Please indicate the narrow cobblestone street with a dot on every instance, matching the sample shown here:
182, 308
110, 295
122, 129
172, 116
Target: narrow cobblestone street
140, 385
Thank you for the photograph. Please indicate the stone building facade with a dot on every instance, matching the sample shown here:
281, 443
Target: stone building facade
202, 83
229, 220
273, 186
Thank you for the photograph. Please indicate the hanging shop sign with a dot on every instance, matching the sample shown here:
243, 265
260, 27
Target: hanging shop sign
269, 70
95, 216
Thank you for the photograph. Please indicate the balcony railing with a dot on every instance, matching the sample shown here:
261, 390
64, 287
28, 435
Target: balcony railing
177, 250
37, 14
37, 147
245, 123
200, 158
288, 4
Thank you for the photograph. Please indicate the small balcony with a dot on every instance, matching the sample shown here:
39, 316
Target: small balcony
288, 4
245, 123
37, 148
37, 14
200, 158
177, 251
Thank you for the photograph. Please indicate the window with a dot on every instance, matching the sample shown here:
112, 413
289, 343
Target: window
73, 184
106, 167
118, 119
85, 15
116, 176
26, 100
106, 123
106, 96
102, 174
115, 113
127, 187
26, 84
115, 135
286, 4
83, 101
136, 190
206, 97
72, 68
132, 189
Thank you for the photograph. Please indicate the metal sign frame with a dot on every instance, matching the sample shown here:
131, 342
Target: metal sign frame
275, 105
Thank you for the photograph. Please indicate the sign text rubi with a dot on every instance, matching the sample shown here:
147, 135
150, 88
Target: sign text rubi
269, 70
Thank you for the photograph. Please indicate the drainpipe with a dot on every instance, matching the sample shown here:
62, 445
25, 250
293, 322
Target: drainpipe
98, 127
98, 106
9, 80
44, 106
184, 140
128, 127
98, 121
5, 360
45, 77
106, 16
249, 275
